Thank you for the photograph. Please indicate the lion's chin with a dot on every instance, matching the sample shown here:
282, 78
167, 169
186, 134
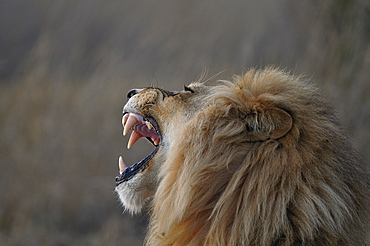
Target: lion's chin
133, 198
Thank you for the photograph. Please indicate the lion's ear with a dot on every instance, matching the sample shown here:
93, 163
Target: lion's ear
282, 122
268, 123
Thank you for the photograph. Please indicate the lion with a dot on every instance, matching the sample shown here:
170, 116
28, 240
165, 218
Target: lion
259, 160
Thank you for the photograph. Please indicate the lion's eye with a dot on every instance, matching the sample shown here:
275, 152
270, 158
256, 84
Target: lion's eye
186, 88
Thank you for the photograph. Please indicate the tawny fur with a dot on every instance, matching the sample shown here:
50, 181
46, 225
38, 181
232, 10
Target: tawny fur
263, 162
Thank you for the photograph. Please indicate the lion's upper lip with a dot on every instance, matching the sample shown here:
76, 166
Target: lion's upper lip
141, 127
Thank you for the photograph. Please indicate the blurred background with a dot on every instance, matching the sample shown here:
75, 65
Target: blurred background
66, 66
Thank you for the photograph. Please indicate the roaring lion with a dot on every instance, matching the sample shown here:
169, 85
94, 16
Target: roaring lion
260, 160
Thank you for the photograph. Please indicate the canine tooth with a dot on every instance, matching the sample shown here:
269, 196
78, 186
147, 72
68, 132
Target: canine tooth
121, 165
130, 122
133, 138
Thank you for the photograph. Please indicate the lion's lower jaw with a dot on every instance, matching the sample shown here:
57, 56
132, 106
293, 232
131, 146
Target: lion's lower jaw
135, 192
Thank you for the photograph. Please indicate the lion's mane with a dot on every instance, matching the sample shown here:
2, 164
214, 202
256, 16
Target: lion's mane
242, 172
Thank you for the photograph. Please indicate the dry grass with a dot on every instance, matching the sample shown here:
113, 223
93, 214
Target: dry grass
65, 68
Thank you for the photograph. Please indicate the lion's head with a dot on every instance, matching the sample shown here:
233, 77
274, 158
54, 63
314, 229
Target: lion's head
257, 161
158, 115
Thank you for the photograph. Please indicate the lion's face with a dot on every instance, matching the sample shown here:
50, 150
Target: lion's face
155, 114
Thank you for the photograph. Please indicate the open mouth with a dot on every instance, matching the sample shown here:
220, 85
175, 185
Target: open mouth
141, 127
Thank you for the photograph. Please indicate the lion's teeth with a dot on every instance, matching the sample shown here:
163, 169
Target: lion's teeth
121, 165
149, 125
133, 138
124, 119
130, 122
156, 141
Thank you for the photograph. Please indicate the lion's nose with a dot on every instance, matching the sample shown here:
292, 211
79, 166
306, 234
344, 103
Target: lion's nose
132, 93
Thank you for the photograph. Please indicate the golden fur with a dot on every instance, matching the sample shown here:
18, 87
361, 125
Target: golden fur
261, 161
